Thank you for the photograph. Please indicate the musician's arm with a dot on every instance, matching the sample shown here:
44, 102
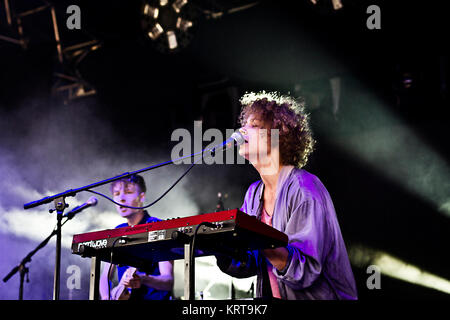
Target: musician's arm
104, 278
310, 238
278, 257
162, 282
238, 267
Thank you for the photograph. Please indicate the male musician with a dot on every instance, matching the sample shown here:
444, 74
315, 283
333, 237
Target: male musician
157, 281
314, 264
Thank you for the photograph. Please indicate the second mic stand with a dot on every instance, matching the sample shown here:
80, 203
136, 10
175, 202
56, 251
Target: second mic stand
24, 270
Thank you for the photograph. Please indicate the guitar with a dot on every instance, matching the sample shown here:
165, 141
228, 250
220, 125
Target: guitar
120, 292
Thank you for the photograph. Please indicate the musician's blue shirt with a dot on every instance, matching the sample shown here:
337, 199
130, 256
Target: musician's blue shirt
145, 293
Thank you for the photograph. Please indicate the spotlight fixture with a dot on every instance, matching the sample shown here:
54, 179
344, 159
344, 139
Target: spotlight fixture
151, 11
168, 24
337, 4
178, 4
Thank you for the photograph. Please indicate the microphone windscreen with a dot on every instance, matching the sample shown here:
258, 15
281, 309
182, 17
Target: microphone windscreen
92, 201
238, 137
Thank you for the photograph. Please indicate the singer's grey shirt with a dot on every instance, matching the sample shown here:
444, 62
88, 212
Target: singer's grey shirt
318, 266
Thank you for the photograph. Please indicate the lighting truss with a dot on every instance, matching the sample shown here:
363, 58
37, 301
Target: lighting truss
70, 81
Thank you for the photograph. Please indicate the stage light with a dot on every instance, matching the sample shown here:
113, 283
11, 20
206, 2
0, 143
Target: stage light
398, 269
394, 267
337, 4
151, 11
171, 39
157, 30
168, 23
380, 139
403, 157
178, 4
183, 24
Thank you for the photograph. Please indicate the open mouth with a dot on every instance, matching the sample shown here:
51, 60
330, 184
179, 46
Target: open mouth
244, 143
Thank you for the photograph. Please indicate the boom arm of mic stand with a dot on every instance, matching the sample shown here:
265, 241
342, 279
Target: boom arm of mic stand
235, 137
73, 192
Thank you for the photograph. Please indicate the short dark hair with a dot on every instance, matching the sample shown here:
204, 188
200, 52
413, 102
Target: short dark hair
134, 178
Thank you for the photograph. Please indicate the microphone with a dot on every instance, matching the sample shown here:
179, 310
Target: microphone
236, 139
90, 203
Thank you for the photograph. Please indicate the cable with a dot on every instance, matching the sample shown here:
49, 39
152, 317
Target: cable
151, 204
111, 264
191, 255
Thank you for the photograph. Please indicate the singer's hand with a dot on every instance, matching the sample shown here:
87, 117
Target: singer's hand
278, 257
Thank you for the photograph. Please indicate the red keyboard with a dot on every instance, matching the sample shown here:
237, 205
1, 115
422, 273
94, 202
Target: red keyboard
233, 231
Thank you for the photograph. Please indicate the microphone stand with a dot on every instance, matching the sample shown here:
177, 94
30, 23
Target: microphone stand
24, 270
60, 205
22, 266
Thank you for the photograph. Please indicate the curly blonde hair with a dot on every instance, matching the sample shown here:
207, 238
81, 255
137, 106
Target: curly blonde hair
286, 114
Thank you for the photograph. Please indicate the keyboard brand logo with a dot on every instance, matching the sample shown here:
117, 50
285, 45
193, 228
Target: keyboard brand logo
98, 244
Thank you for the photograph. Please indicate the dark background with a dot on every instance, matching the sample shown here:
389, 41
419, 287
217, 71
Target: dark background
143, 95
